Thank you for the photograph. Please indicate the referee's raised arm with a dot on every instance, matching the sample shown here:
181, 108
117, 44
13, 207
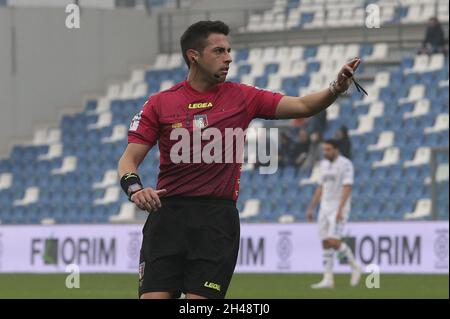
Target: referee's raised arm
291, 107
145, 198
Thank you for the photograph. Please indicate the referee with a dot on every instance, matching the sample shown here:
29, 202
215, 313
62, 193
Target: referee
191, 236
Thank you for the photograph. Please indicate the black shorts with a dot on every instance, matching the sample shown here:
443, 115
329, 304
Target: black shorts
190, 245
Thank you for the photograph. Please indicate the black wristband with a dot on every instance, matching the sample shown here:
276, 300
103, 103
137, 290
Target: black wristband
131, 183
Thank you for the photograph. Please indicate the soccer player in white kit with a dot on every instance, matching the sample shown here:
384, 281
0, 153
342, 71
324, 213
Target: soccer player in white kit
333, 192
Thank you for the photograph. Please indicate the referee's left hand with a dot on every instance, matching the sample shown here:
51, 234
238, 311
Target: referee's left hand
148, 199
344, 77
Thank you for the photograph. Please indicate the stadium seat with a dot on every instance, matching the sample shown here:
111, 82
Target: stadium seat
385, 140
422, 157
126, 214
405, 99
5, 180
441, 124
391, 157
31, 196
422, 210
251, 208
69, 164
422, 107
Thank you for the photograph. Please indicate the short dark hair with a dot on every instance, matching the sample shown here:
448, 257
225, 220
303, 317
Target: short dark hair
196, 35
333, 142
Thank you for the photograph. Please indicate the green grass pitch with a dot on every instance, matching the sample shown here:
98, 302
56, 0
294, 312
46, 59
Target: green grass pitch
243, 286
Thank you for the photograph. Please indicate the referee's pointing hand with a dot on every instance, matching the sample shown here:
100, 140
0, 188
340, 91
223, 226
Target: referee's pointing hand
344, 77
148, 199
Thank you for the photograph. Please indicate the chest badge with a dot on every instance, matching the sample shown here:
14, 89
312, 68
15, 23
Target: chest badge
200, 121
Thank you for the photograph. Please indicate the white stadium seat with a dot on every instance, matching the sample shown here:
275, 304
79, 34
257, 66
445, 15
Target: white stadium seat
103, 105
441, 124
391, 157
380, 51
436, 62
385, 140
31, 196
286, 219
140, 90
268, 55
333, 112
176, 60
442, 173
137, 76
104, 120
127, 214
376, 109
382, 79
109, 179
69, 164
416, 92
113, 91
248, 79
251, 208
422, 209
274, 82
420, 63
422, 157
365, 125
111, 196
161, 62
5, 180
54, 151
119, 133
165, 85
314, 178
47, 136
422, 107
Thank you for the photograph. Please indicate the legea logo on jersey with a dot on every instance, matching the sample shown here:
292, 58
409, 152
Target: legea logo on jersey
205, 105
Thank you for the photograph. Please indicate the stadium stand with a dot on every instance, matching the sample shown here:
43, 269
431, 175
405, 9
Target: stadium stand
67, 174
103, 4
314, 14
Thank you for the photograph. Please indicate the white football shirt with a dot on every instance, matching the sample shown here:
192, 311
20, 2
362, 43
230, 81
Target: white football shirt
333, 176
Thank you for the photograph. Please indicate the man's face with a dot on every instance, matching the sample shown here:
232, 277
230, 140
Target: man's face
329, 152
214, 60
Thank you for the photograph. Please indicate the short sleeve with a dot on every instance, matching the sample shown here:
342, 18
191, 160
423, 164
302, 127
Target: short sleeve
347, 176
144, 127
260, 103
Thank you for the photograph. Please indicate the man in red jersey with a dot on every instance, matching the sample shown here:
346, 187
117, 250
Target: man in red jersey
191, 236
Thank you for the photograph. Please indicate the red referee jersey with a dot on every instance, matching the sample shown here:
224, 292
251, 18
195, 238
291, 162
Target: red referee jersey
229, 105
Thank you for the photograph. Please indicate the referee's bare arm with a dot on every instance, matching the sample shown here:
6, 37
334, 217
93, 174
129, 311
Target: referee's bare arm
291, 107
148, 198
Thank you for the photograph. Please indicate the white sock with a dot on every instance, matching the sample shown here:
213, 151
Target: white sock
347, 252
328, 261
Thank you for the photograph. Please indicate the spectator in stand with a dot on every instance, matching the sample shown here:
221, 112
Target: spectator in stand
301, 147
434, 41
318, 123
287, 147
345, 144
314, 152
